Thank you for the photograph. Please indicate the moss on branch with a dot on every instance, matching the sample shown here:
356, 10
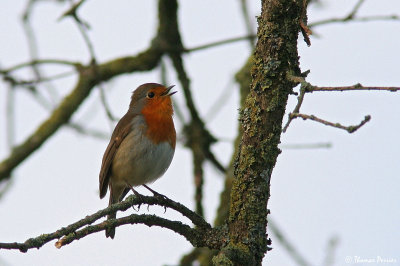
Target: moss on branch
261, 120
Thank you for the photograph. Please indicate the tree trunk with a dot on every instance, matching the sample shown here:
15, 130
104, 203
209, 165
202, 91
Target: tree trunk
261, 119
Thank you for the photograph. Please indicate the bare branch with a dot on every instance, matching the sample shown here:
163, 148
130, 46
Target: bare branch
72, 232
356, 87
349, 129
308, 87
150, 220
351, 17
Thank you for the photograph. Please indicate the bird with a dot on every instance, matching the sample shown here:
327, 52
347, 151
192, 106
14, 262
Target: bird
141, 147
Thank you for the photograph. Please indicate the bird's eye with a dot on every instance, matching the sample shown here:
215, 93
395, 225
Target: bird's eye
150, 95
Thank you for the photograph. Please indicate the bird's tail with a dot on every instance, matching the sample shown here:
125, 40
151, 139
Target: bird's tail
110, 232
117, 194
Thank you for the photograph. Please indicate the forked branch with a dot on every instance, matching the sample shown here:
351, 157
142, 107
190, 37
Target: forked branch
307, 87
199, 236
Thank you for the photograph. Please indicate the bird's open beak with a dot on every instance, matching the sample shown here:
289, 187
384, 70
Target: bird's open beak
166, 92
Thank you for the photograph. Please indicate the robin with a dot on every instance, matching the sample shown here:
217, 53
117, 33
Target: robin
142, 144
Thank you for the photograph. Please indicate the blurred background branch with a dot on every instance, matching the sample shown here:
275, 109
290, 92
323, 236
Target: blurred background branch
197, 134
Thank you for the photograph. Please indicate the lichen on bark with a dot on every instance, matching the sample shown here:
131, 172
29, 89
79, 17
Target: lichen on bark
261, 120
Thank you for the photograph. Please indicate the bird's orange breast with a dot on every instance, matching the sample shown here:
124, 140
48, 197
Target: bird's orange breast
158, 117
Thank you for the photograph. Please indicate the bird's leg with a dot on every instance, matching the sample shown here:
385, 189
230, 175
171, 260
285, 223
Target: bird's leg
137, 194
157, 195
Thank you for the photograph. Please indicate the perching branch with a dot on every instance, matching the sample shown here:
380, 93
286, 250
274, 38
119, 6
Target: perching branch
192, 235
84, 227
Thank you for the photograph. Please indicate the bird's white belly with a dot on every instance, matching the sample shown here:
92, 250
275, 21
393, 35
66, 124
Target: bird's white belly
141, 161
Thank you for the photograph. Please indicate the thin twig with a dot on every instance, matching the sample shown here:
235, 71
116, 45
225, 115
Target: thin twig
248, 22
88, 132
5, 187
359, 19
30, 36
10, 117
105, 105
303, 146
307, 87
355, 9
40, 62
195, 126
199, 139
220, 101
290, 248
330, 251
82, 26
213, 44
300, 99
351, 17
33, 49
164, 80
304, 28
349, 129
28, 83
72, 11
356, 87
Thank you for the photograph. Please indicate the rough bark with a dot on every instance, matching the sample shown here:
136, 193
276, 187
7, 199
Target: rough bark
261, 120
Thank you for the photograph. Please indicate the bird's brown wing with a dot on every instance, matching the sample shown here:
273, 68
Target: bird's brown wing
121, 130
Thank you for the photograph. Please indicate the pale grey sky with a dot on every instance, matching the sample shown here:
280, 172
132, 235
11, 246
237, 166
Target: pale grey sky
350, 191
